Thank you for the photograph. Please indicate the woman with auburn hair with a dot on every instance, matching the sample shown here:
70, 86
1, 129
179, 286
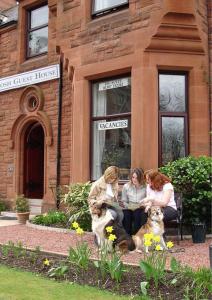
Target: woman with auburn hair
105, 190
160, 192
132, 194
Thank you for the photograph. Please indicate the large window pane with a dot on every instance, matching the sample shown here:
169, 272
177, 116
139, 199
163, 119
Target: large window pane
172, 93
39, 16
173, 138
112, 97
38, 41
111, 135
100, 5
111, 146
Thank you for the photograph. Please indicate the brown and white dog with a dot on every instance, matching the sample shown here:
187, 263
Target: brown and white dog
101, 218
154, 225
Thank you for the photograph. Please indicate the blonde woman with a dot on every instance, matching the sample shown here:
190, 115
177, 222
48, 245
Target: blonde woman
105, 190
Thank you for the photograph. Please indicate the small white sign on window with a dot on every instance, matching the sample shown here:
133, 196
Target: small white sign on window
107, 85
113, 125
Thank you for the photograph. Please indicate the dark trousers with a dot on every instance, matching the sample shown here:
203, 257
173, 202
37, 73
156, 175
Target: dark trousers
133, 220
169, 213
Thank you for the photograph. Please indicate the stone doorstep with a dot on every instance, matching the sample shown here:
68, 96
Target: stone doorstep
11, 215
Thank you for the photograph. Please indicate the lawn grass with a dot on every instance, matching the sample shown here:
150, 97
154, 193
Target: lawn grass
19, 285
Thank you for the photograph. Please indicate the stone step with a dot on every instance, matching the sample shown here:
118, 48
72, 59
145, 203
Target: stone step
35, 210
12, 215
36, 202
8, 214
35, 206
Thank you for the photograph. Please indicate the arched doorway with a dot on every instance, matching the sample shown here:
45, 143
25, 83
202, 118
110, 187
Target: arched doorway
33, 185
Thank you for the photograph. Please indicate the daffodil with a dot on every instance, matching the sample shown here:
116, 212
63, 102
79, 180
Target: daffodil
79, 230
111, 237
109, 229
169, 244
148, 236
156, 238
158, 248
75, 225
147, 243
46, 262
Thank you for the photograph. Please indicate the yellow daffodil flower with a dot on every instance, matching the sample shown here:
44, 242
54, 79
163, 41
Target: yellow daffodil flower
147, 243
156, 238
46, 262
148, 236
169, 244
158, 248
75, 225
109, 229
111, 237
79, 230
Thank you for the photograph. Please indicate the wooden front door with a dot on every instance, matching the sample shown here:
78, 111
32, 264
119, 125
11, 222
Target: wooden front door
34, 161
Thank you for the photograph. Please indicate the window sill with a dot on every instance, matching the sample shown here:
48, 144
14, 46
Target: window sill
41, 60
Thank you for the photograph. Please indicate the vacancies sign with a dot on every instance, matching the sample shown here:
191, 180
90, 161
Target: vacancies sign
113, 125
29, 78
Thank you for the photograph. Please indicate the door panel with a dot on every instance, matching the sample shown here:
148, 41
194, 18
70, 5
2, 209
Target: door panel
34, 161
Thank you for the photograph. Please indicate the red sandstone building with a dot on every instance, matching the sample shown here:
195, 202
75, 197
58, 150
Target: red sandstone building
89, 83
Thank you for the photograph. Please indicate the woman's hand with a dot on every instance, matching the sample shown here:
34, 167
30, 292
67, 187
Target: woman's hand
121, 204
147, 206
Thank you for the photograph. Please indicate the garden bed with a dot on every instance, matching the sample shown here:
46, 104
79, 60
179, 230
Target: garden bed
60, 268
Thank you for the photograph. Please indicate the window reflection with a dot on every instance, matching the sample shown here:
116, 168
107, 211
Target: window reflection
38, 41
173, 138
38, 31
172, 93
100, 5
39, 16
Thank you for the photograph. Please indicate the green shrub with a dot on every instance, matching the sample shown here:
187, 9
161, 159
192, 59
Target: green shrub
2, 206
21, 204
57, 218
192, 176
77, 204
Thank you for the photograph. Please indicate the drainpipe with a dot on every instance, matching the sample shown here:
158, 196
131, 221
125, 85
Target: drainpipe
209, 6
60, 88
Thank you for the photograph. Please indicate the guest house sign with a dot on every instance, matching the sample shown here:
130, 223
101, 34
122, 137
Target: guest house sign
29, 78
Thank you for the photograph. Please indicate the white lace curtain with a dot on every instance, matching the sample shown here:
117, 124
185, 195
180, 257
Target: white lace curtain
99, 109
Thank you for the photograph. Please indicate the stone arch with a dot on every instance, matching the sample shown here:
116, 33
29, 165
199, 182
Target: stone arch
27, 113
26, 117
21, 122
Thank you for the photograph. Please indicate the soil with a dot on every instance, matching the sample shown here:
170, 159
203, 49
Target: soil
130, 285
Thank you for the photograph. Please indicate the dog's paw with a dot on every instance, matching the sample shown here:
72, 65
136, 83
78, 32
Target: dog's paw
138, 251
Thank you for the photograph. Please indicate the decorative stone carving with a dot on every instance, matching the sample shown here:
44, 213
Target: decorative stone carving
177, 33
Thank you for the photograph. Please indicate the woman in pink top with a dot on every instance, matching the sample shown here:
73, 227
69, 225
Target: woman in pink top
160, 192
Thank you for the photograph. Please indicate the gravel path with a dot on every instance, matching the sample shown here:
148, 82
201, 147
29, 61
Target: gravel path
195, 255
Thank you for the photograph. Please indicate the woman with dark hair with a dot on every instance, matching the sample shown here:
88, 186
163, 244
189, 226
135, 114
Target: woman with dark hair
132, 194
160, 192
